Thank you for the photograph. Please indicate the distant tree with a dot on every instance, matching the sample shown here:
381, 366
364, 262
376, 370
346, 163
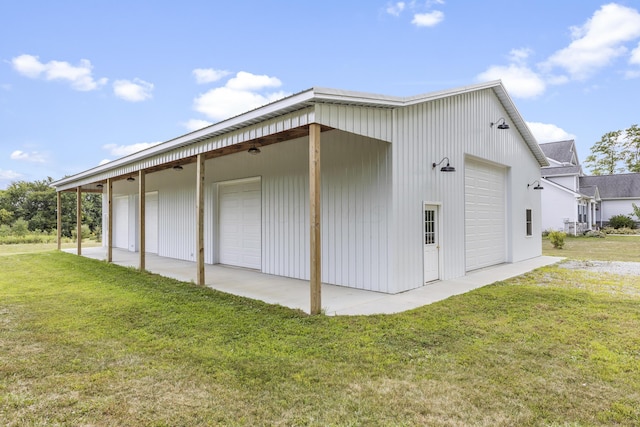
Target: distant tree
605, 155
6, 217
36, 203
631, 148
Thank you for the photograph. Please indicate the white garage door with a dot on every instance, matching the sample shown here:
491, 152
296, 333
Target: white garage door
240, 224
121, 222
485, 223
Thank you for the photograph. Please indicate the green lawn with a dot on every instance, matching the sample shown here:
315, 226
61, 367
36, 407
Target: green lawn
24, 248
611, 248
83, 342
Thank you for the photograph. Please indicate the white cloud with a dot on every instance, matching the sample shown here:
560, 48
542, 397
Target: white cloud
80, 77
33, 156
520, 81
429, 19
195, 124
133, 91
396, 8
8, 175
125, 150
209, 75
598, 42
247, 81
545, 132
635, 56
241, 93
104, 161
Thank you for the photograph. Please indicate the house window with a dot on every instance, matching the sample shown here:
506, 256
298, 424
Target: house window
529, 223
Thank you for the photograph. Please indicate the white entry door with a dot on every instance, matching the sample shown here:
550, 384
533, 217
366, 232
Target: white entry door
431, 244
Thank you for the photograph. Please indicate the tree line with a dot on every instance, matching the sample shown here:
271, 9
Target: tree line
616, 152
33, 205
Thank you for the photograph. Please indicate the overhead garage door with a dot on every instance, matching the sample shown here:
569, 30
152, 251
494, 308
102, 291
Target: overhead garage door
121, 222
485, 223
240, 224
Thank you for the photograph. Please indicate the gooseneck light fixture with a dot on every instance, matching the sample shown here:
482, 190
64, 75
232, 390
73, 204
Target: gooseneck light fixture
537, 186
131, 179
447, 168
177, 168
502, 125
253, 150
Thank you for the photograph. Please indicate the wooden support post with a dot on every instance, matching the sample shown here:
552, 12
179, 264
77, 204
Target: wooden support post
141, 218
79, 219
314, 209
109, 220
59, 219
200, 220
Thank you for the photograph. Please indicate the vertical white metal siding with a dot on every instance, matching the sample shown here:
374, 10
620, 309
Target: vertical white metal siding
355, 191
177, 222
456, 127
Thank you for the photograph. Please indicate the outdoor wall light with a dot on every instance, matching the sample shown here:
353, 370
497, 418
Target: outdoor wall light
177, 168
447, 168
502, 125
537, 187
253, 150
99, 185
131, 179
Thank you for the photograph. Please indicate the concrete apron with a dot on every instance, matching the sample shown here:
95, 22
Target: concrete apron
295, 293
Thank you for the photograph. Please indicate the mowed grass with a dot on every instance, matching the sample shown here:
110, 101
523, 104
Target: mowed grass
610, 248
25, 248
83, 342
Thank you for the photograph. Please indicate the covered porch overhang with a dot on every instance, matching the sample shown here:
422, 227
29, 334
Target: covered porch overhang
103, 180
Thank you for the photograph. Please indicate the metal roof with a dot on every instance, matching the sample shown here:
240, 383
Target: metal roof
305, 100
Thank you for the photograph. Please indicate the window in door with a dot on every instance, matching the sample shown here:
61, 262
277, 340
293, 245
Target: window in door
429, 227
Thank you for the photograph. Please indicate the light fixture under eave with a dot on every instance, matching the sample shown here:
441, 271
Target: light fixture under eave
177, 168
537, 186
131, 179
502, 125
253, 150
99, 185
447, 168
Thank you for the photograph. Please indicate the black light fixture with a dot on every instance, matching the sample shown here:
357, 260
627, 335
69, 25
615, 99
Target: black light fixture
502, 125
253, 150
537, 187
177, 168
99, 185
131, 179
447, 168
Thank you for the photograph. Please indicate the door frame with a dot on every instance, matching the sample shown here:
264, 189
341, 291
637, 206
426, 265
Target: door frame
438, 229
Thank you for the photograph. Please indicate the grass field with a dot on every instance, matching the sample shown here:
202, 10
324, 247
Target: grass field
610, 248
83, 342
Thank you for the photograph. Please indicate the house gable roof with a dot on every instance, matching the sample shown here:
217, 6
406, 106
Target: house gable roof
561, 151
620, 186
286, 114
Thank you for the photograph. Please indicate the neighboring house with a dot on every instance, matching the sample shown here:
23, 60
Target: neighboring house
388, 213
576, 203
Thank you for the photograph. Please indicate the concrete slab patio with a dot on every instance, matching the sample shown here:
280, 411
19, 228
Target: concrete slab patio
336, 300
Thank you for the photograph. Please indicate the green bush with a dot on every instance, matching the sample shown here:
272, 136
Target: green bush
621, 221
623, 230
595, 233
557, 239
20, 227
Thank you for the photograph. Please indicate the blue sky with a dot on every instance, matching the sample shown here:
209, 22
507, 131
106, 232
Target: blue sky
82, 82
